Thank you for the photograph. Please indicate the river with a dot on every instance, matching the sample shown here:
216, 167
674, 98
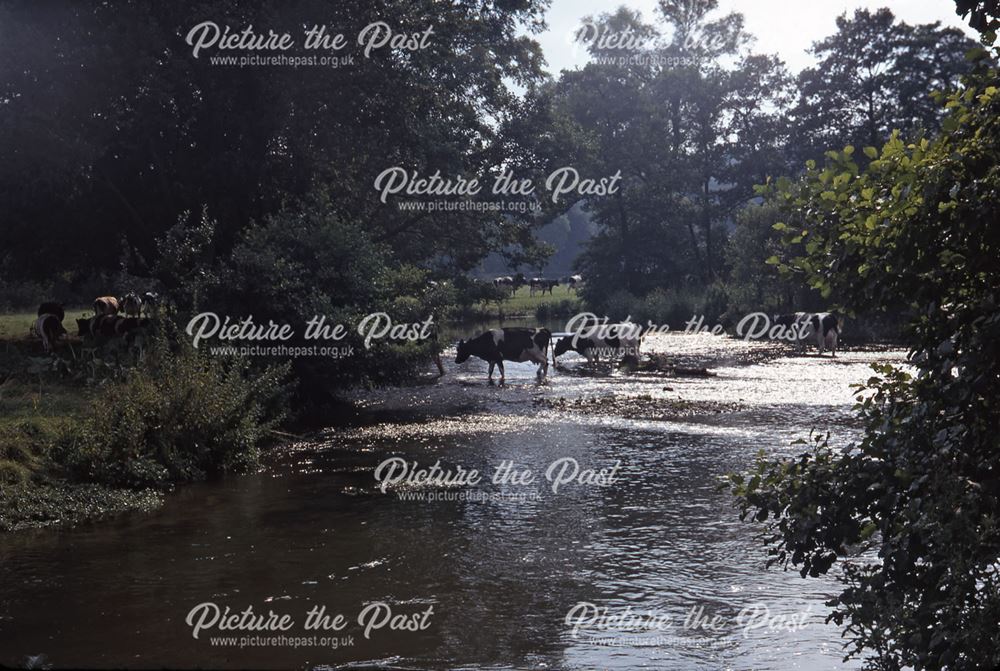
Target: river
486, 574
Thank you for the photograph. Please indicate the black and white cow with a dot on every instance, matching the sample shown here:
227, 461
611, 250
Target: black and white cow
508, 344
506, 283
573, 281
131, 305
541, 284
821, 326
624, 338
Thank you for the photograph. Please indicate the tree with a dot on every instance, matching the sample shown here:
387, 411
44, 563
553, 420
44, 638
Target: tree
873, 76
115, 137
754, 285
690, 133
915, 227
982, 16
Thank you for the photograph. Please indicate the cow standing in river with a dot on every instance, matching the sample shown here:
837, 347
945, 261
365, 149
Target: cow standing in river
508, 344
823, 326
610, 340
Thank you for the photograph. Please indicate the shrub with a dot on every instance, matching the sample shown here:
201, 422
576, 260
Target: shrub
183, 416
910, 225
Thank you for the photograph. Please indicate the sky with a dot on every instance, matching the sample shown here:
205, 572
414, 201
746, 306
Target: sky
783, 27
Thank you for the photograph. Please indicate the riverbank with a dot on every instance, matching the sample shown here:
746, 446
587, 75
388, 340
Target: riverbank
313, 527
46, 404
99, 430
36, 420
45, 401
37, 410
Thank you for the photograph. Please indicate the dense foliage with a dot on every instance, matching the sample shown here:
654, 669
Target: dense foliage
182, 416
111, 128
872, 77
917, 227
695, 119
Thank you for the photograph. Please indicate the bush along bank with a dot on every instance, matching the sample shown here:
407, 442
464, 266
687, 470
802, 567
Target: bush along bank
177, 415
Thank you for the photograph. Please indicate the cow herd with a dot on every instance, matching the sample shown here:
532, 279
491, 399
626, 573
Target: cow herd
113, 317
494, 346
536, 285
521, 345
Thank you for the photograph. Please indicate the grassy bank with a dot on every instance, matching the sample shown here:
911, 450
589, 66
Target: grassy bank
15, 327
38, 411
560, 303
99, 428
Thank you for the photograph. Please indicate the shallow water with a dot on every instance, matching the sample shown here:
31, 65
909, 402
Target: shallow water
501, 565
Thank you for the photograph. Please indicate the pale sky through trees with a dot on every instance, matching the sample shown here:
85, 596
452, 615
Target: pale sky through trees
784, 27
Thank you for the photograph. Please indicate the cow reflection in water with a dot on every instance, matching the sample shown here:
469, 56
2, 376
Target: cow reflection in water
508, 344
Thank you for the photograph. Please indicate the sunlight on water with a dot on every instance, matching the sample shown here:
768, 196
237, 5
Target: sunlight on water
502, 564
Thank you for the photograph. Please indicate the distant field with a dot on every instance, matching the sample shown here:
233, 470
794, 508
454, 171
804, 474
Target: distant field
524, 302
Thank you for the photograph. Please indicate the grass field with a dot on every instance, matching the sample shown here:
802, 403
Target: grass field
36, 404
16, 326
522, 303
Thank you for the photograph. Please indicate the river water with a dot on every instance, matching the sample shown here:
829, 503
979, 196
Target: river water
496, 575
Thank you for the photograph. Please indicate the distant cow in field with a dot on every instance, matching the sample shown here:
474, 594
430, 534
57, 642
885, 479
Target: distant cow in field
506, 283
573, 282
610, 340
106, 305
48, 327
541, 284
823, 326
132, 305
508, 344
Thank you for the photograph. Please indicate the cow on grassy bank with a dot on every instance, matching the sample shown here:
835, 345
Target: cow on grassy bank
540, 284
110, 326
132, 305
48, 327
106, 305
